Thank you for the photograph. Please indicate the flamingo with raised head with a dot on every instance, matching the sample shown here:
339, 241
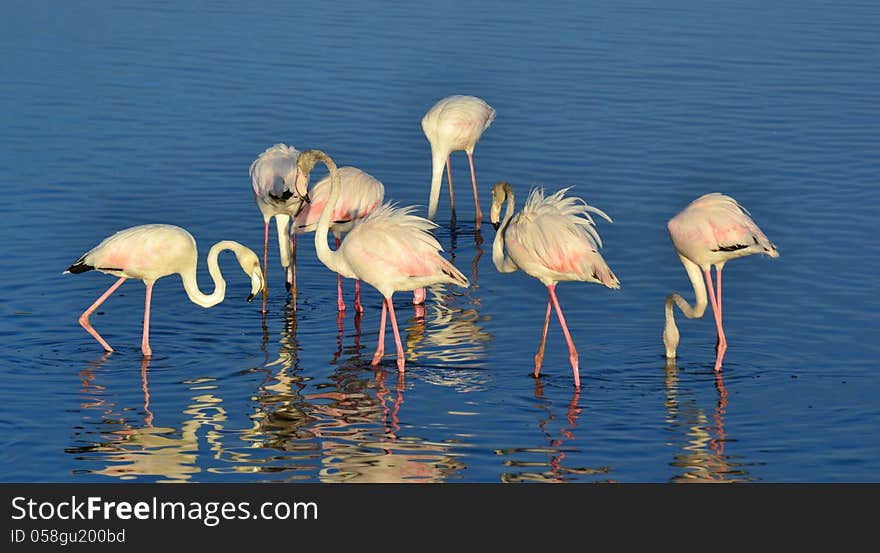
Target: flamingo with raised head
391, 250
280, 193
150, 252
712, 230
455, 123
360, 194
552, 239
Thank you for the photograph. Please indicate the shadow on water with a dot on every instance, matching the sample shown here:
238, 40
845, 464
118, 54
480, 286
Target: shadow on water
702, 457
561, 438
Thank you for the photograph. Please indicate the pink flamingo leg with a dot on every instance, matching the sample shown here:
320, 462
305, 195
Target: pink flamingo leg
84, 318
145, 343
718, 299
539, 357
380, 347
340, 305
400, 361
449, 181
573, 354
357, 297
479, 219
716, 310
419, 295
265, 264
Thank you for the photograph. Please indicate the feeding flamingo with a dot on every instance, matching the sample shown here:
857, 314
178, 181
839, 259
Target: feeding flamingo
280, 193
455, 123
390, 249
553, 238
149, 252
360, 194
712, 230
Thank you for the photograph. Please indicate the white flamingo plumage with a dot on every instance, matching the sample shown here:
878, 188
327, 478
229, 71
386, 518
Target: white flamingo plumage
361, 194
712, 230
552, 239
280, 193
150, 252
391, 249
454, 123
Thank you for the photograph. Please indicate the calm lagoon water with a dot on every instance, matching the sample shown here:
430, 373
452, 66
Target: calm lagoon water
123, 113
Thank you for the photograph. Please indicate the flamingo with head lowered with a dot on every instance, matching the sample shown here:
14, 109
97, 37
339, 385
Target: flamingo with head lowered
391, 249
454, 123
712, 230
149, 252
280, 193
553, 238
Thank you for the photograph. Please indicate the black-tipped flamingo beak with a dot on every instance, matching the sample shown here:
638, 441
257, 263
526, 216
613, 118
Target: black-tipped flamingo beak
258, 284
496, 225
307, 199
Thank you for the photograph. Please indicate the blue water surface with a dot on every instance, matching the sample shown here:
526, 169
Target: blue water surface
123, 113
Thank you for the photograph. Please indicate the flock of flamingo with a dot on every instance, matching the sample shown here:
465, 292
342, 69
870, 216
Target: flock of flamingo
553, 238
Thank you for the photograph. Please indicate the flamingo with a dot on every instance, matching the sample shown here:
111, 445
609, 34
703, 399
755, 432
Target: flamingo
553, 238
391, 250
280, 193
361, 193
455, 123
712, 230
149, 252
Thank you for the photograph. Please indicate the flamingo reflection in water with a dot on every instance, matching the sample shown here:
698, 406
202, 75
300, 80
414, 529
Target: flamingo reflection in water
478, 253
557, 447
449, 334
449, 328
136, 449
351, 455
702, 457
348, 431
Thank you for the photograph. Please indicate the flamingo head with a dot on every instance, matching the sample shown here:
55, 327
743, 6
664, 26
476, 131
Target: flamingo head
306, 161
500, 192
250, 264
302, 185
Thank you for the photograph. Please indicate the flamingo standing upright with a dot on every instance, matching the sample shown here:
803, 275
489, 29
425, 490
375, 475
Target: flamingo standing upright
149, 252
280, 193
712, 230
455, 123
553, 238
391, 249
360, 194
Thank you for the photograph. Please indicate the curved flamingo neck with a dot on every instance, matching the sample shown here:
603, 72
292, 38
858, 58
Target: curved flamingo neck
503, 263
670, 330
327, 256
191, 284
